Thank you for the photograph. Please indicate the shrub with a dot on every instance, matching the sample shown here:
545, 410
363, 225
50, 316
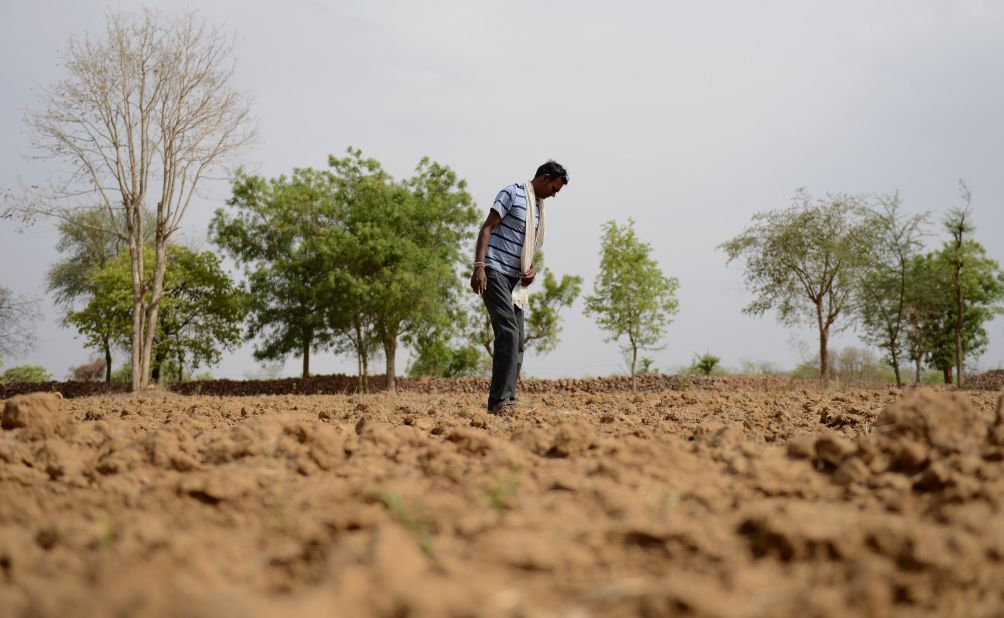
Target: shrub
706, 364
25, 373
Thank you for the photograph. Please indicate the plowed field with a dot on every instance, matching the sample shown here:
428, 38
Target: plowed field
871, 503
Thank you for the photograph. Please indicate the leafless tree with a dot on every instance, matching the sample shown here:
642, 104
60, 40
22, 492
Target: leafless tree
146, 112
89, 372
16, 315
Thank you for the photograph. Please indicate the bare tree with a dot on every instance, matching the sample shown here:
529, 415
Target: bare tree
16, 315
146, 113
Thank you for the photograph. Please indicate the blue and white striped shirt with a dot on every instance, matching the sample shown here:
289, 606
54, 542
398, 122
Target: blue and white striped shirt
506, 241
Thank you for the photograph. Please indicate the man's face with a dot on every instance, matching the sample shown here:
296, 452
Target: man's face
552, 186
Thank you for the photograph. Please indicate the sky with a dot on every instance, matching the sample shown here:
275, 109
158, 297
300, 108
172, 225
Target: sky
687, 117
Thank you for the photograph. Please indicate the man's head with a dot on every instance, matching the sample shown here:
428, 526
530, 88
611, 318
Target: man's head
550, 178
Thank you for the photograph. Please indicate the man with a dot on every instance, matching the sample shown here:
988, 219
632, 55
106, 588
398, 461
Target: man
503, 268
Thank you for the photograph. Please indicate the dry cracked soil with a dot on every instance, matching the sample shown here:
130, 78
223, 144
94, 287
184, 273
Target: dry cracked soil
740, 504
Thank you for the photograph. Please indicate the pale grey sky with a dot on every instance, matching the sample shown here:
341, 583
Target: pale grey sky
687, 116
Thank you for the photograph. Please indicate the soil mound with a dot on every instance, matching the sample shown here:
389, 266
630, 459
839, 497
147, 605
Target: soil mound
36, 416
932, 441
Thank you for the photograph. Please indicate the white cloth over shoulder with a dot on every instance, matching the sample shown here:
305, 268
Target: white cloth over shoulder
532, 242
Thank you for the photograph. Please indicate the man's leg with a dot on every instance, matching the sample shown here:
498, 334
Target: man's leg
498, 301
519, 353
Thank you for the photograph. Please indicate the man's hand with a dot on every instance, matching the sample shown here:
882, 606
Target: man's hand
479, 280
528, 276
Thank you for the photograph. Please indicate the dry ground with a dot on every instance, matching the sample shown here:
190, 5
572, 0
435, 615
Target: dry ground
799, 503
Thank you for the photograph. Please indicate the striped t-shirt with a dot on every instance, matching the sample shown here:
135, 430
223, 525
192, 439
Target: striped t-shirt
506, 241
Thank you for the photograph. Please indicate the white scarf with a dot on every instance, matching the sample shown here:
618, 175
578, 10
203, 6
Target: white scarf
532, 242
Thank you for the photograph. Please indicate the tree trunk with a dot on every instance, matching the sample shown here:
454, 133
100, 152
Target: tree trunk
136, 255
824, 337
156, 293
108, 360
958, 327
306, 356
895, 367
359, 372
389, 350
366, 371
634, 362
918, 379
947, 371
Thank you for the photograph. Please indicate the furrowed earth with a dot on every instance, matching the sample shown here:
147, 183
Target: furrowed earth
747, 503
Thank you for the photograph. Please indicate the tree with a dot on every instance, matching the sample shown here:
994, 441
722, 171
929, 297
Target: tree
884, 286
16, 315
958, 222
145, 112
934, 301
927, 301
406, 247
201, 313
87, 241
288, 238
805, 262
631, 297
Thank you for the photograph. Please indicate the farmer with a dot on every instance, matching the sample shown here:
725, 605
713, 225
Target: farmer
503, 268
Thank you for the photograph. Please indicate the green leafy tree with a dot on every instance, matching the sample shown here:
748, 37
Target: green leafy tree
934, 304
87, 242
959, 225
805, 262
286, 236
631, 297
201, 310
406, 247
202, 313
882, 299
25, 373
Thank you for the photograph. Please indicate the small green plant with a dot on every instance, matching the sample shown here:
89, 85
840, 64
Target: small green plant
108, 534
705, 364
646, 366
419, 527
502, 491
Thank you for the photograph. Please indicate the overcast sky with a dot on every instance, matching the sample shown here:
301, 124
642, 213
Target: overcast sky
687, 116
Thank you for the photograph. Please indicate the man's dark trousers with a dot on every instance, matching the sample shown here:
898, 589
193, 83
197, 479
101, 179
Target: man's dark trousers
507, 324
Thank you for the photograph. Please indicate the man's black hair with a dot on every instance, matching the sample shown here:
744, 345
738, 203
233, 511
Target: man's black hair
553, 169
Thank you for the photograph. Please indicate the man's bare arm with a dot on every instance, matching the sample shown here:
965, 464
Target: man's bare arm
479, 280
